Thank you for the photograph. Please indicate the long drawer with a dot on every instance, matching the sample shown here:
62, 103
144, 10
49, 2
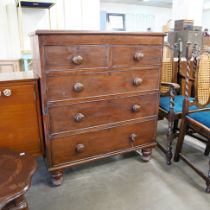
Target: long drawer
95, 56
98, 112
96, 143
82, 84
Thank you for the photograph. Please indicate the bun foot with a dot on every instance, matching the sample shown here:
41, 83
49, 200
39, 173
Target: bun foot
57, 178
146, 154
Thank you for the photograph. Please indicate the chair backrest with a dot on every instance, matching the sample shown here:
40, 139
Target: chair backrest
202, 94
167, 72
181, 69
202, 82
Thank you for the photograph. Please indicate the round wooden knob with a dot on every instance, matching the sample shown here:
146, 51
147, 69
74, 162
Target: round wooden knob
80, 147
77, 60
7, 92
133, 137
137, 81
136, 108
138, 56
79, 117
78, 87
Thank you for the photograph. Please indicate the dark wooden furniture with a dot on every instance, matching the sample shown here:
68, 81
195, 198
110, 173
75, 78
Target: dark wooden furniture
16, 170
20, 122
197, 119
171, 98
100, 94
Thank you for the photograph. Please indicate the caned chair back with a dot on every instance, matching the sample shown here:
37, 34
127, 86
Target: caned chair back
167, 73
203, 79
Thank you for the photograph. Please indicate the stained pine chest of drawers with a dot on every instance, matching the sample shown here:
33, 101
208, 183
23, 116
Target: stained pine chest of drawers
99, 94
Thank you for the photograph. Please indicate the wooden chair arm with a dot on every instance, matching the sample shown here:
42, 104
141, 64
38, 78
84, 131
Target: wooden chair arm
175, 86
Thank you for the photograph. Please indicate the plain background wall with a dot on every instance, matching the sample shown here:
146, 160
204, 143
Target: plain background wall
65, 16
139, 18
206, 19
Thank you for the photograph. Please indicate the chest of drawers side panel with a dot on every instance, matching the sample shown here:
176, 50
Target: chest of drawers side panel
38, 69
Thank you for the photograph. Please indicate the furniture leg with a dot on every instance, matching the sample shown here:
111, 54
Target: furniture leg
19, 203
175, 128
169, 142
180, 141
146, 154
208, 180
207, 150
57, 177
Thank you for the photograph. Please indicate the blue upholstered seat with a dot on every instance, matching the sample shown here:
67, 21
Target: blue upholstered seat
178, 102
201, 117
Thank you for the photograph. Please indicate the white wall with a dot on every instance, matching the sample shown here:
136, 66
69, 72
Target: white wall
139, 18
33, 19
206, 19
66, 14
9, 35
188, 9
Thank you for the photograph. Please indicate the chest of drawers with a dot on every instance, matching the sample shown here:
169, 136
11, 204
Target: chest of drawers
100, 94
20, 120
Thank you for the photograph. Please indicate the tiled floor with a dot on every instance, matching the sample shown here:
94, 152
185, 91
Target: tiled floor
124, 183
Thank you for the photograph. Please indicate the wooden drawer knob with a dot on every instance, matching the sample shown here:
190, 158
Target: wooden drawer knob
78, 87
137, 81
77, 60
138, 56
7, 92
80, 147
79, 117
136, 108
133, 137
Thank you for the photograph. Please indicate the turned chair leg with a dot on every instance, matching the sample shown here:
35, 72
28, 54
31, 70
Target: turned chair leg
183, 129
208, 180
169, 143
207, 150
175, 128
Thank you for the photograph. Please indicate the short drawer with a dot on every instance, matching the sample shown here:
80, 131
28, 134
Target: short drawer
76, 56
93, 113
136, 55
96, 143
88, 84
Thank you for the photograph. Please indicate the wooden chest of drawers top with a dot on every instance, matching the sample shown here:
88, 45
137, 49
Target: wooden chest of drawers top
66, 51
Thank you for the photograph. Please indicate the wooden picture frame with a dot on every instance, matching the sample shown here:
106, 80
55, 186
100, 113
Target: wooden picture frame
116, 21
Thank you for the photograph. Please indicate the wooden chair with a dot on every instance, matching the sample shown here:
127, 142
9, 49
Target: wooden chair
197, 119
171, 100
168, 99
16, 170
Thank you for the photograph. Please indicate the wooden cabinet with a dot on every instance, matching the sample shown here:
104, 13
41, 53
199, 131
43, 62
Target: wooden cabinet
20, 125
9, 66
99, 94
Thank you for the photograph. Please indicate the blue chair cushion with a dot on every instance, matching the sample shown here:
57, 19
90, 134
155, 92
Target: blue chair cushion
178, 102
201, 117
